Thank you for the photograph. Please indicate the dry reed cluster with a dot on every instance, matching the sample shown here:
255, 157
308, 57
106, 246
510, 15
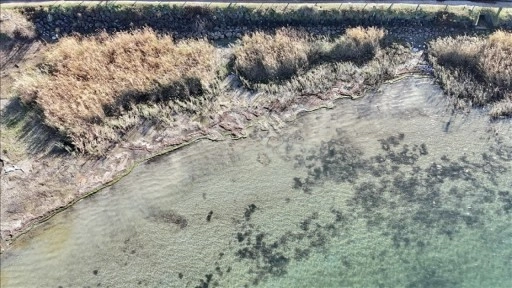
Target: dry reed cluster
476, 71
16, 26
83, 81
358, 45
263, 57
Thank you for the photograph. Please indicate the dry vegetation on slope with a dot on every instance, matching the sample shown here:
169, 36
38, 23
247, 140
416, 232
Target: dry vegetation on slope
17, 40
476, 71
94, 89
83, 81
346, 64
357, 45
15, 26
91, 88
264, 57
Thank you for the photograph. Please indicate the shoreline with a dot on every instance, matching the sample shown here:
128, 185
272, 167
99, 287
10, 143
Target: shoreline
34, 223
59, 181
138, 156
141, 155
261, 169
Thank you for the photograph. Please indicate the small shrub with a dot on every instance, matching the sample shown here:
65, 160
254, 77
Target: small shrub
357, 45
262, 57
457, 53
476, 71
496, 59
15, 26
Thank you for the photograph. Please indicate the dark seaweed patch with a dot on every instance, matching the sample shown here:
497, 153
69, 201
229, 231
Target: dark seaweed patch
391, 141
369, 196
304, 224
339, 217
336, 160
301, 254
169, 217
218, 270
405, 156
297, 183
240, 237
249, 211
431, 278
206, 282
393, 181
506, 198
271, 258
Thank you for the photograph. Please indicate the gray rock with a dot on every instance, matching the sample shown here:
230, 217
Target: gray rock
12, 168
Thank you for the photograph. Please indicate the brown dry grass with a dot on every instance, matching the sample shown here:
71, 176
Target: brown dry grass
83, 81
357, 45
476, 71
387, 63
95, 89
262, 57
15, 26
495, 60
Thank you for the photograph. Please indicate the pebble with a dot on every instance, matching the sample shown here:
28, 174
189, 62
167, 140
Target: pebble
12, 168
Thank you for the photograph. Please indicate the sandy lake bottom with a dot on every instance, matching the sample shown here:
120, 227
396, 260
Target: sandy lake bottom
392, 190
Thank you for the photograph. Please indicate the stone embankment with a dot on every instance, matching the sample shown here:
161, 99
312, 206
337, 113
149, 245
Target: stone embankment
229, 22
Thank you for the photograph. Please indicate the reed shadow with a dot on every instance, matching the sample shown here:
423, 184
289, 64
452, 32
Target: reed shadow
39, 137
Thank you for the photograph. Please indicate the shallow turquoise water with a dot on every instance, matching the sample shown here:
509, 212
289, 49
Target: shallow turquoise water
393, 190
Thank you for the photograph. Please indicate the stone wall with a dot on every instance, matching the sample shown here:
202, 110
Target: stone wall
200, 21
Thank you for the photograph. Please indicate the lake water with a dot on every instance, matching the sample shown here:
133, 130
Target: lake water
392, 190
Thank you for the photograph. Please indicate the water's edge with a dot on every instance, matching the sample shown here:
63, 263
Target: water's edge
391, 190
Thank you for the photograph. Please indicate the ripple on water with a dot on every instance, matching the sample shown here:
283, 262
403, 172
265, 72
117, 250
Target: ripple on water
390, 190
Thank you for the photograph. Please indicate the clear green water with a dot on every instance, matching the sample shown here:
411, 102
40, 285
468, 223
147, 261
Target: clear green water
392, 190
